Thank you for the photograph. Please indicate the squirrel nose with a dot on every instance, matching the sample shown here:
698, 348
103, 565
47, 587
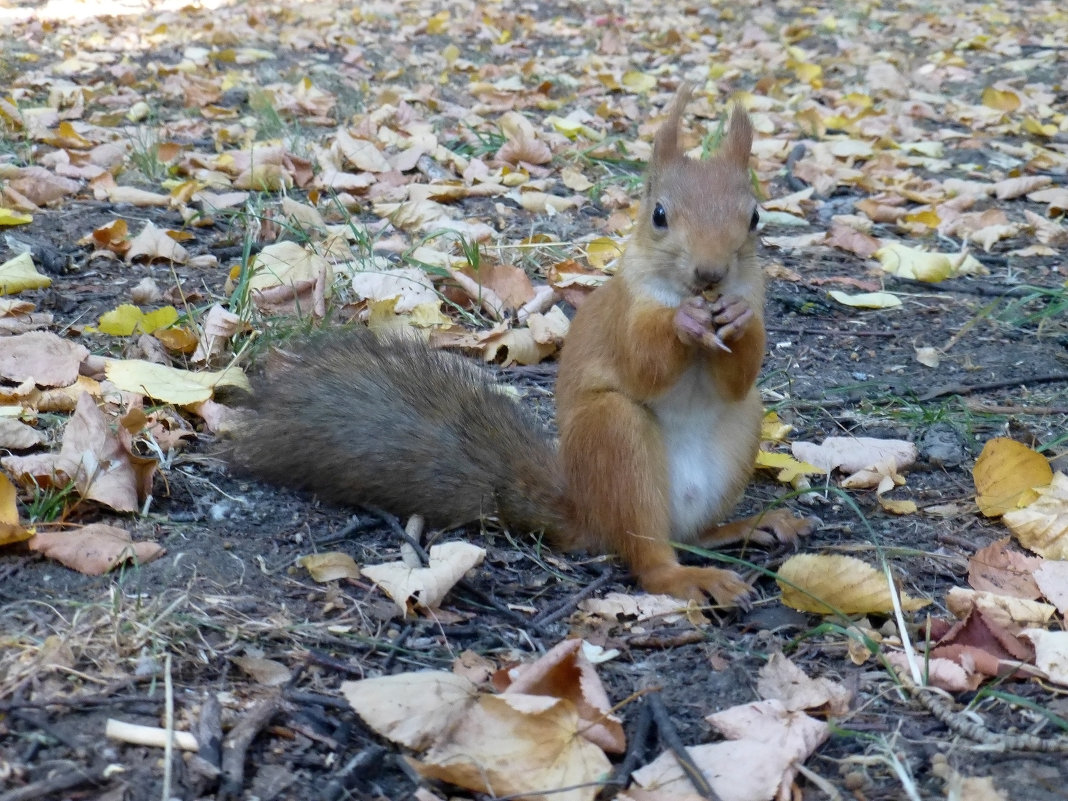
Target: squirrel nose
710, 274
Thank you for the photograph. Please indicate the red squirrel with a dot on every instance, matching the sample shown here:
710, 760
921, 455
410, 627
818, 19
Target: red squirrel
657, 406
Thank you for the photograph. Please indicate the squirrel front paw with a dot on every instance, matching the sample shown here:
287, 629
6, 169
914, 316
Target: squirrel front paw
712, 323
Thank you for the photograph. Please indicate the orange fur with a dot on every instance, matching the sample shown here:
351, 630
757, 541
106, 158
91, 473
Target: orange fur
659, 425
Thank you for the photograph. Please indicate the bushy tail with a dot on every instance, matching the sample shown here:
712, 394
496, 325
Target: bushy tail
392, 424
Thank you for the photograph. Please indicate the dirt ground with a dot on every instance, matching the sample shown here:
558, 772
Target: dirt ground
229, 586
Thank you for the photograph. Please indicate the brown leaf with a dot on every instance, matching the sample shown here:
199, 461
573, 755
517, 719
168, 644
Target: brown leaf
94, 549
42, 356
1001, 569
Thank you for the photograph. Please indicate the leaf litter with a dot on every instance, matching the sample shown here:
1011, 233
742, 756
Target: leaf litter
289, 164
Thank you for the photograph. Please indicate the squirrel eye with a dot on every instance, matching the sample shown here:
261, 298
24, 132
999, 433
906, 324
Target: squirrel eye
659, 216
754, 221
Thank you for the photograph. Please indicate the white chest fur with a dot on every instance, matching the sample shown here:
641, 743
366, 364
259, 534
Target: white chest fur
710, 443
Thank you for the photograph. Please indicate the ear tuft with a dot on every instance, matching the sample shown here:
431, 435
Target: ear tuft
666, 142
738, 142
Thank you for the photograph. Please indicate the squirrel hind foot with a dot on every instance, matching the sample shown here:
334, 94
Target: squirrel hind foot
698, 584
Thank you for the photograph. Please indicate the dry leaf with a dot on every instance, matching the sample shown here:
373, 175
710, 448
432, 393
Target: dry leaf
565, 672
1051, 653
853, 454
267, 672
758, 761
1006, 475
848, 585
20, 273
997, 568
94, 549
330, 566
10, 528
426, 587
1042, 526
1012, 614
155, 243
782, 680
1052, 579
170, 384
42, 356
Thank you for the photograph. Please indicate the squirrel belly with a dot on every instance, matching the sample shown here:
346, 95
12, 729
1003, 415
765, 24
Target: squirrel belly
708, 440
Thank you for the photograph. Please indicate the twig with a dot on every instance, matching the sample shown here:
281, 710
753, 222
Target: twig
636, 742
554, 613
237, 742
54, 784
670, 738
965, 389
955, 722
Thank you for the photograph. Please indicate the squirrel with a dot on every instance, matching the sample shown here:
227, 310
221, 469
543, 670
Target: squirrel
657, 406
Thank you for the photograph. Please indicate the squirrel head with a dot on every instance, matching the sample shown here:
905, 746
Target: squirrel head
695, 230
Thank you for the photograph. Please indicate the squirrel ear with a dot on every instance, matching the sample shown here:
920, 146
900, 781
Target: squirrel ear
666, 142
738, 143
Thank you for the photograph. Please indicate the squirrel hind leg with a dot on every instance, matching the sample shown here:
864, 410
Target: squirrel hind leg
617, 477
769, 528
697, 584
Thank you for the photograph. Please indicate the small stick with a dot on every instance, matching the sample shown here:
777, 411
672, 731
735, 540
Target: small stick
237, 742
670, 737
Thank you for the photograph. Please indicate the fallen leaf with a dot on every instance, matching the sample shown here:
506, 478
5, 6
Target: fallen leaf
1042, 526
866, 300
267, 672
852, 454
565, 672
782, 680
10, 528
1006, 476
94, 549
330, 566
1052, 579
42, 356
1051, 653
19, 274
757, 762
155, 243
1000, 569
171, 384
827, 584
426, 587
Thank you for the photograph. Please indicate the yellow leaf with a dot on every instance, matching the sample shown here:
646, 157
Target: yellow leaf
808, 73
160, 318
20, 273
772, 429
12, 217
906, 262
10, 529
639, 82
72, 137
839, 583
572, 128
121, 321
330, 566
169, 384
438, 23
928, 217
1000, 99
602, 251
1043, 525
866, 300
1006, 475
789, 468
1033, 126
